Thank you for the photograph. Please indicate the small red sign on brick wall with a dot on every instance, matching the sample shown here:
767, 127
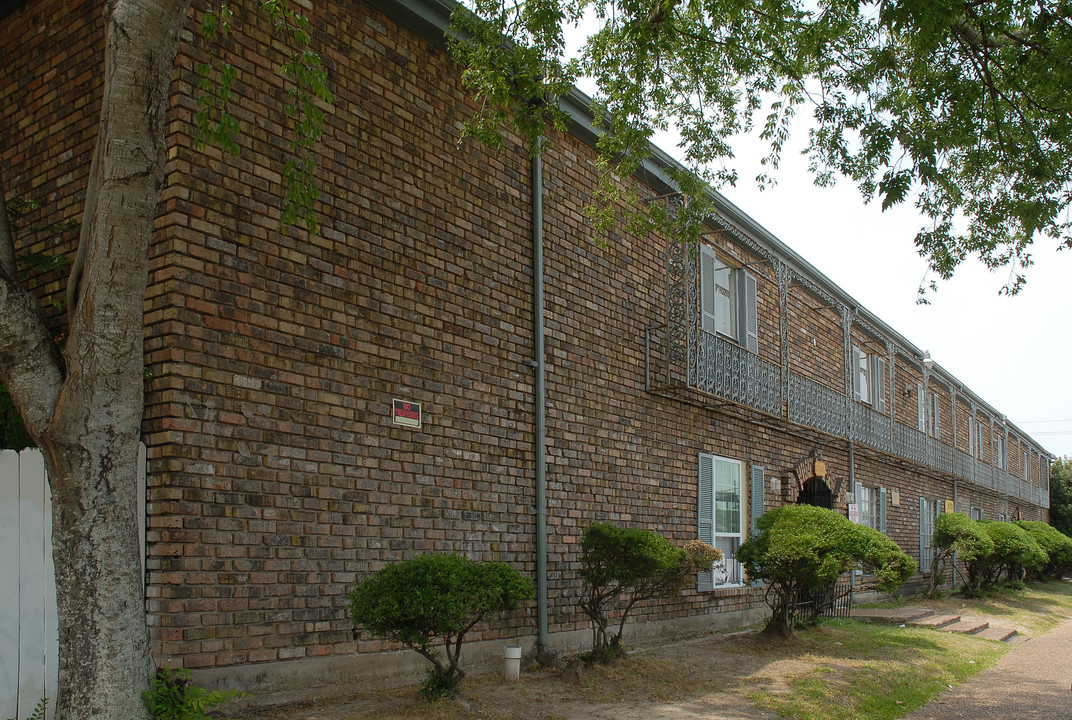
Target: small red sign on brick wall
406, 413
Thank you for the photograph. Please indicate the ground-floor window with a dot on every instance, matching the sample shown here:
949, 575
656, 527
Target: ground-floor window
721, 517
927, 509
868, 507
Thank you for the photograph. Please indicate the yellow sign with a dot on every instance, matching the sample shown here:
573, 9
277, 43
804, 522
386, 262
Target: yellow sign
949, 506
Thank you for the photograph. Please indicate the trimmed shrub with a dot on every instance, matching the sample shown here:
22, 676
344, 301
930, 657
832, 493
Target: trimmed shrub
801, 547
623, 566
957, 533
1056, 545
1015, 551
433, 599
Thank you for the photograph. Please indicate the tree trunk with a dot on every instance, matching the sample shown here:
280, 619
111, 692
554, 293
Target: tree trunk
86, 417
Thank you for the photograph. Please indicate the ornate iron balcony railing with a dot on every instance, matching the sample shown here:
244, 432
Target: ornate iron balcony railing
725, 370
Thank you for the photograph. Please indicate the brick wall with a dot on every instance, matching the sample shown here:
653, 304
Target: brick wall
277, 479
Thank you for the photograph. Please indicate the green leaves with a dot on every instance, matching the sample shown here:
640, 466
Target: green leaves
630, 565
960, 107
172, 696
308, 93
436, 598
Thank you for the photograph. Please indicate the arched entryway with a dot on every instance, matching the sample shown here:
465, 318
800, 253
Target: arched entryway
816, 492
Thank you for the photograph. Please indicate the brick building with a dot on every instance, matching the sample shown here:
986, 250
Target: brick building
681, 392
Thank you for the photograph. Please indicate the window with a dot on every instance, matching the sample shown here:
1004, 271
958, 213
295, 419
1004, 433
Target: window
869, 378
866, 501
721, 517
1027, 467
927, 511
921, 409
999, 451
728, 300
976, 513
935, 416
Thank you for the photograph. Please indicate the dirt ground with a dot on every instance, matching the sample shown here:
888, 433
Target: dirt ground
708, 678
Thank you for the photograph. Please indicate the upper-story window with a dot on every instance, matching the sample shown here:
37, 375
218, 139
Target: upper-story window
869, 378
936, 416
728, 300
999, 451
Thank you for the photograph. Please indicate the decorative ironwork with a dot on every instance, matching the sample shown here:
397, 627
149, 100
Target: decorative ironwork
869, 427
834, 600
816, 406
718, 367
680, 310
785, 277
726, 370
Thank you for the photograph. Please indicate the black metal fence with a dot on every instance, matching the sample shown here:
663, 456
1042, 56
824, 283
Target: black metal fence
835, 600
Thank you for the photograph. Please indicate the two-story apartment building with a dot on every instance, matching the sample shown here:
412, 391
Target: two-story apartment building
452, 365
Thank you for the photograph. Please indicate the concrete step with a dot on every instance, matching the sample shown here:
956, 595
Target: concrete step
966, 626
895, 616
935, 622
998, 634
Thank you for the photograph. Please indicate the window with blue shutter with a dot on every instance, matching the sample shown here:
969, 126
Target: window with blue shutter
721, 517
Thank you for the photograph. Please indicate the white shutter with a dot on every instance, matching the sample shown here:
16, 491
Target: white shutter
882, 510
857, 391
935, 418
971, 436
747, 310
921, 408
706, 509
878, 385
707, 289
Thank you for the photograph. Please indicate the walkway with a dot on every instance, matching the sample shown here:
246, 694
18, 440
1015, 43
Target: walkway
1032, 682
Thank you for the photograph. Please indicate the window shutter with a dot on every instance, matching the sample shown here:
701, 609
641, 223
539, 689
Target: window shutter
759, 502
921, 408
878, 384
971, 436
706, 521
758, 499
882, 510
857, 391
747, 311
924, 566
707, 289
935, 418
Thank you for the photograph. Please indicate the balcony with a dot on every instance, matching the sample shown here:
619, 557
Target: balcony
720, 368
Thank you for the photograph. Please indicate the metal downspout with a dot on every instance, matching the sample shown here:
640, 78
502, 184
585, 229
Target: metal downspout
852, 484
540, 396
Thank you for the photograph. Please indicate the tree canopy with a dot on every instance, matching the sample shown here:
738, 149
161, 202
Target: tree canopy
1061, 495
959, 106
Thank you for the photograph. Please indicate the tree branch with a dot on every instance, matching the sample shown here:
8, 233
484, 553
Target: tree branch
30, 364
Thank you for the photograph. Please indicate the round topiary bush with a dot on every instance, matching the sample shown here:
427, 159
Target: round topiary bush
436, 599
802, 547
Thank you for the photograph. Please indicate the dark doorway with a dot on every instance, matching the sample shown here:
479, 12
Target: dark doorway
816, 492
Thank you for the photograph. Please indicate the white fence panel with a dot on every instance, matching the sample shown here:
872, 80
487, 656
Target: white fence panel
29, 639
29, 632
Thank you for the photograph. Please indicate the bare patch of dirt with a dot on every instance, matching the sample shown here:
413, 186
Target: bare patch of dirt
707, 678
